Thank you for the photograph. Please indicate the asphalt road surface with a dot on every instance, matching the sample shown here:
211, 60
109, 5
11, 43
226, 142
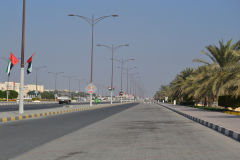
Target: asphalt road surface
136, 132
7, 108
21, 136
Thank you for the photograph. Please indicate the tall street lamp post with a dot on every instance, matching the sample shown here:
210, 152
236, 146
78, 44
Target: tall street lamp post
37, 69
79, 85
129, 69
133, 82
112, 48
56, 74
21, 105
92, 21
69, 84
136, 86
122, 62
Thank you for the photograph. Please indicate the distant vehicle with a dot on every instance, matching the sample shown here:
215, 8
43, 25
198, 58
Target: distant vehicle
64, 100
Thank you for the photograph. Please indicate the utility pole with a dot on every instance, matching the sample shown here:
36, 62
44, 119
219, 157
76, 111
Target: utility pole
21, 105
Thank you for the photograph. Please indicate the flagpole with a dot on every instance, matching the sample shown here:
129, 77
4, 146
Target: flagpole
21, 98
7, 87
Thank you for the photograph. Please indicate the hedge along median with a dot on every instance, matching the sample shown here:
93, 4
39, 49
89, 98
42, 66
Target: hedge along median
229, 102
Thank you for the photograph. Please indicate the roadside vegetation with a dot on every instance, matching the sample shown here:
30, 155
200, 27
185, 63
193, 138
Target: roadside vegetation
11, 95
50, 95
219, 76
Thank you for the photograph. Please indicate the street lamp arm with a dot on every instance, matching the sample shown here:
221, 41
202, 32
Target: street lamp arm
41, 67
127, 60
129, 69
103, 17
117, 60
85, 18
103, 45
55, 73
122, 45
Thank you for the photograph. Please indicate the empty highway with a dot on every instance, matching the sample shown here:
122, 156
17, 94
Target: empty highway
123, 132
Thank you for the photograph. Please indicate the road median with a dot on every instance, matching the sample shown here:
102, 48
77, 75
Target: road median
30, 114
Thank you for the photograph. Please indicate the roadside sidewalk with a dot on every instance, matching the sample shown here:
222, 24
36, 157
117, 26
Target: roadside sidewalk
226, 124
29, 114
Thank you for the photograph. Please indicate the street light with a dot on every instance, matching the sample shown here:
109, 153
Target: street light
122, 63
55, 81
133, 82
112, 48
21, 105
129, 69
37, 69
69, 84
92, 21
79, 85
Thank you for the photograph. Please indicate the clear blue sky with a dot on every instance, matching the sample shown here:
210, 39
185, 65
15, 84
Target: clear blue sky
164, 36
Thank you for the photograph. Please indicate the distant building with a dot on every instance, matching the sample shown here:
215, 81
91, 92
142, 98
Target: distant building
15, 86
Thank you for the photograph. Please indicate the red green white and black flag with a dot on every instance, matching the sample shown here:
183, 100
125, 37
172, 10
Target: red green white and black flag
29, 61
12, 61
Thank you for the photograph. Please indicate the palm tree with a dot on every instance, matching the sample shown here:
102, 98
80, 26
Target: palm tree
199, 84
215, 78
163, 92
223, 55
176, 86
220, 76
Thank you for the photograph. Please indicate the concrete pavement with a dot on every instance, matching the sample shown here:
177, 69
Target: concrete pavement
143, 132
223, 123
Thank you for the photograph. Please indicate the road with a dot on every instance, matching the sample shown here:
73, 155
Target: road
14, 107
21, 136
127, 132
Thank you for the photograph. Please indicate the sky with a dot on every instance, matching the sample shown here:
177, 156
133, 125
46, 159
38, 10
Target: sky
164, 36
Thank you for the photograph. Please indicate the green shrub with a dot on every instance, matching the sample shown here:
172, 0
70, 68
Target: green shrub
47, 95
187, 103
35, 99
11, 95
229, 101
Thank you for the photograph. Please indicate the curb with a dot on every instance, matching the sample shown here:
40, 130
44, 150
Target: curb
229, 133
48, 114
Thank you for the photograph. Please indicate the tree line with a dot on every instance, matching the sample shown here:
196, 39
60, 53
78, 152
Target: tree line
218, 77
11, 94
51, 94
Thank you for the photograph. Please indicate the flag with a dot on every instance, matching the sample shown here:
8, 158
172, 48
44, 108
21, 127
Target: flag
12, 61
29, 61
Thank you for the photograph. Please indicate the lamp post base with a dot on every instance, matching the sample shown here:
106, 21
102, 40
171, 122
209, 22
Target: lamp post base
111, 97
21, 98
91, 99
